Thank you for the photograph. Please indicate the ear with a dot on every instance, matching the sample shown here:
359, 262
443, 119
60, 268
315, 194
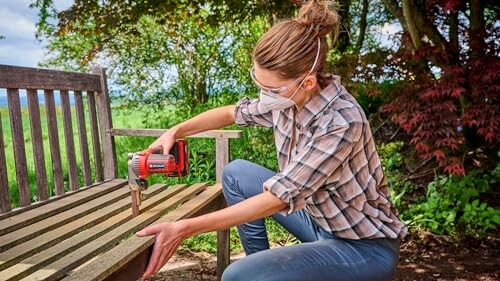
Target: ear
310, 82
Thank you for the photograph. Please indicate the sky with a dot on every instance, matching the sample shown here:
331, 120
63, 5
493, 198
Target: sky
17, 25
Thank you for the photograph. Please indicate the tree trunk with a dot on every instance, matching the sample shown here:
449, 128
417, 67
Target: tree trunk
393, 7
362, 27
477, 32
408, 13
453, 36
343, 40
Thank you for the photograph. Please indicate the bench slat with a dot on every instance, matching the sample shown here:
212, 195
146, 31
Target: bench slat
69, 141
64, 249
13, 223
61, 266
16, 124
38, 204
4, 182
55, 151
49, 238
17, 237
105, 125
37, 78
94, 131
108, 265
82, 133
37, 142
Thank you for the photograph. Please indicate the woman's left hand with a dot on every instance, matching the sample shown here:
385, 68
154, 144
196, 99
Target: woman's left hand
168, 238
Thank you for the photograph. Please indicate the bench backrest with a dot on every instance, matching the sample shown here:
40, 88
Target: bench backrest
92, 112
94, 116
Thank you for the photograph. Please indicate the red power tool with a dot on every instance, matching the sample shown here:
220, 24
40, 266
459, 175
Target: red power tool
144, 163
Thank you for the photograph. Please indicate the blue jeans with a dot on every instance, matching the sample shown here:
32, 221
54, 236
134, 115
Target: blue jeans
320, 256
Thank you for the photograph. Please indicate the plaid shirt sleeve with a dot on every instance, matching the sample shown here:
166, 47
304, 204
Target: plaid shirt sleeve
249, 112
329, 147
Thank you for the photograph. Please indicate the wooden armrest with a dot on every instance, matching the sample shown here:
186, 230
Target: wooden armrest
225, 134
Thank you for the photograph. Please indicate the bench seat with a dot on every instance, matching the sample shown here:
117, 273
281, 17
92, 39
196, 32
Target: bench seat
89, 234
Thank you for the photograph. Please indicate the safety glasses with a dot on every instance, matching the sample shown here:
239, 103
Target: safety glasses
271, 91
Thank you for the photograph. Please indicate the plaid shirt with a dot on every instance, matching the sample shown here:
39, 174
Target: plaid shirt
328, 164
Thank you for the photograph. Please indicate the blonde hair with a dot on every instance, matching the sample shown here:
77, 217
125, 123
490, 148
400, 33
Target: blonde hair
290, 46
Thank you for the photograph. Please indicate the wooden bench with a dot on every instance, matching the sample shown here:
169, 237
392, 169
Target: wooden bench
85, 231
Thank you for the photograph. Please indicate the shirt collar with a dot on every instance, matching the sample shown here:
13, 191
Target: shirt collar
318, 103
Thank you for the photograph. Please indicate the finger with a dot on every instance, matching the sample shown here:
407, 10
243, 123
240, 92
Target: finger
150, 230
161, 261
155, 148
153, 260
166, 148
165, 256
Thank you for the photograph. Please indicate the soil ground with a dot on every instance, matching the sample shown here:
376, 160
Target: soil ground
424, 257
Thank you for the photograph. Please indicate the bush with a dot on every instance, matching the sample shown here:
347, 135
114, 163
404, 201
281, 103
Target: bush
392, 163
452, 206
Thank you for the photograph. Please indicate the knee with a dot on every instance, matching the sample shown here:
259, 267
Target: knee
235, 272
233, 167
230, 172
229, 179
229, 274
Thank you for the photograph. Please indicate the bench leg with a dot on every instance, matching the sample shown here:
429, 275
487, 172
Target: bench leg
223, 252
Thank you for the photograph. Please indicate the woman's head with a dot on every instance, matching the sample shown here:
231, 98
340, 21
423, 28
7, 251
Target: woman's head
287, 52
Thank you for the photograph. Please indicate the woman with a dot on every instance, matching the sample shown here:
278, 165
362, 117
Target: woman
330, 192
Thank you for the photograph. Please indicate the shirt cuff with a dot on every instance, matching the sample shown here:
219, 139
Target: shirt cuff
286, 192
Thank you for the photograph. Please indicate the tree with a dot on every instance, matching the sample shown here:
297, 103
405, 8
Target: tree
450, 106
188, 54
145, 41
104, 20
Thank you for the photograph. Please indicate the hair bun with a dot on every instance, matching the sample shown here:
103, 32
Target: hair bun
320, 16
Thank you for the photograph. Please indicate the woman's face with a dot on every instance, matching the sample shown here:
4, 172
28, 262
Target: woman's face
272, 83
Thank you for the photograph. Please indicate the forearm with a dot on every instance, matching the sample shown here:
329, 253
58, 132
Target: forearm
259, 206
209, 120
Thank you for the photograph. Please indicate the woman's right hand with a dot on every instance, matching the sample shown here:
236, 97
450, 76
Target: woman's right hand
164, 143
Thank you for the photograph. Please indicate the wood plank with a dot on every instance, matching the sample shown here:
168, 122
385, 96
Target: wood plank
61, 266
37, 143
69, 141
55, 152
94, 131
21, 235
221, 157
16, 124
50, 238
105, 124
37, 78
13, 223
37, 204
66, 247
128, 260
230, 134
82, 132
4, 181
